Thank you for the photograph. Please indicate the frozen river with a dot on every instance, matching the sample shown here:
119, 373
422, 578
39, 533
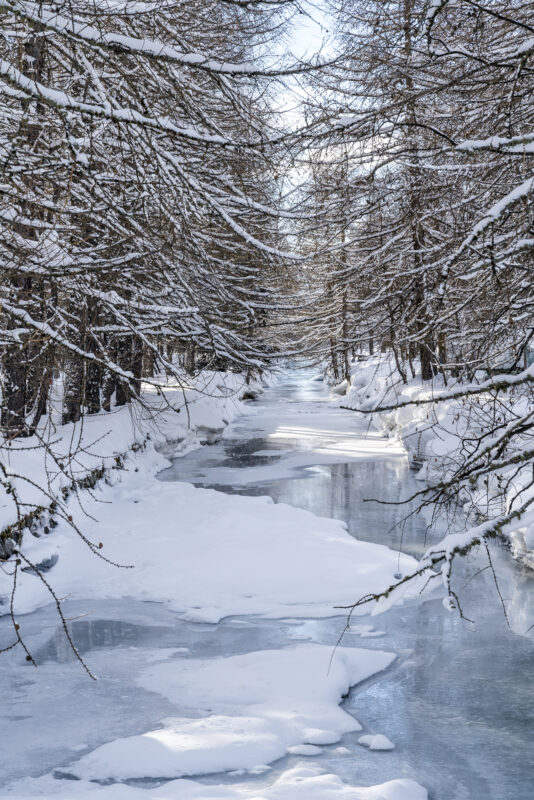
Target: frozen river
457, 703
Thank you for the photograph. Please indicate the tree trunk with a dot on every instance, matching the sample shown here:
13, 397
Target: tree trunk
73, 390
14, 392
189, 360
137, 364
124, 360
426, 352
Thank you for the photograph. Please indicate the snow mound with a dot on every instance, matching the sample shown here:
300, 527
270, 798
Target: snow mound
300, 783
305, 750
341, 388
212, 400
376, 741
256, 707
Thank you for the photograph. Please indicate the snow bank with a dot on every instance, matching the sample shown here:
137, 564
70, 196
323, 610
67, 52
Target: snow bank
260, 705
178, 418
433, 436
376, 382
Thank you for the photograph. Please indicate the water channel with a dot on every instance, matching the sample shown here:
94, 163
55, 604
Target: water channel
458, 703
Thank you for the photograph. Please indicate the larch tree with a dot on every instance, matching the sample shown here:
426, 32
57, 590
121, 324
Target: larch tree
433, 102
139, 234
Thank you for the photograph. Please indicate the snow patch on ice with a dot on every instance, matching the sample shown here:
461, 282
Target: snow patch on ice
304, 782
277, 561
256, 708
305, 750
376, 741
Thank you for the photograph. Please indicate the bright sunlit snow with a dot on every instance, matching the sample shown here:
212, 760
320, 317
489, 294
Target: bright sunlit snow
254, 708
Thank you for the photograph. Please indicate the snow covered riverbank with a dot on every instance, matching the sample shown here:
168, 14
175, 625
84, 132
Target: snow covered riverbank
39, 469
440, 436
205, 555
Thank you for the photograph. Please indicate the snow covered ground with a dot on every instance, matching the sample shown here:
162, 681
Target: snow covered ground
178, 419
206, 554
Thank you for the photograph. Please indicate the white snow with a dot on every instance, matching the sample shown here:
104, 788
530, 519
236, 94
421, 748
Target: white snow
300, 783
176, 421
259, 705
276, 560
341, 388
433, 434
305, 750
376, 741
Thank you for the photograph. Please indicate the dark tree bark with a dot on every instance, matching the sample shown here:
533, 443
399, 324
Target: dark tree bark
137, 363
428, 365
93, 373
14, 391
73, 390
15, 372
124, 360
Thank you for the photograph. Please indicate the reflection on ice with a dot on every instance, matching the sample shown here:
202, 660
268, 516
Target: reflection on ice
88, 635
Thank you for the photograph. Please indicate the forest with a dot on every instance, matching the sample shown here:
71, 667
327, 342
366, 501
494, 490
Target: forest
201, 196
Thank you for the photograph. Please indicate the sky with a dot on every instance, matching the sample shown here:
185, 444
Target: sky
309, 33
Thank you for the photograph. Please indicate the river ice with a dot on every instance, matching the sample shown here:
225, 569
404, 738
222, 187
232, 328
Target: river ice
456, 701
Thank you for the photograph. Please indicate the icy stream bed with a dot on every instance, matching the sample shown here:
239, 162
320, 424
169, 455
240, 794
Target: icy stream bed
457, 702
